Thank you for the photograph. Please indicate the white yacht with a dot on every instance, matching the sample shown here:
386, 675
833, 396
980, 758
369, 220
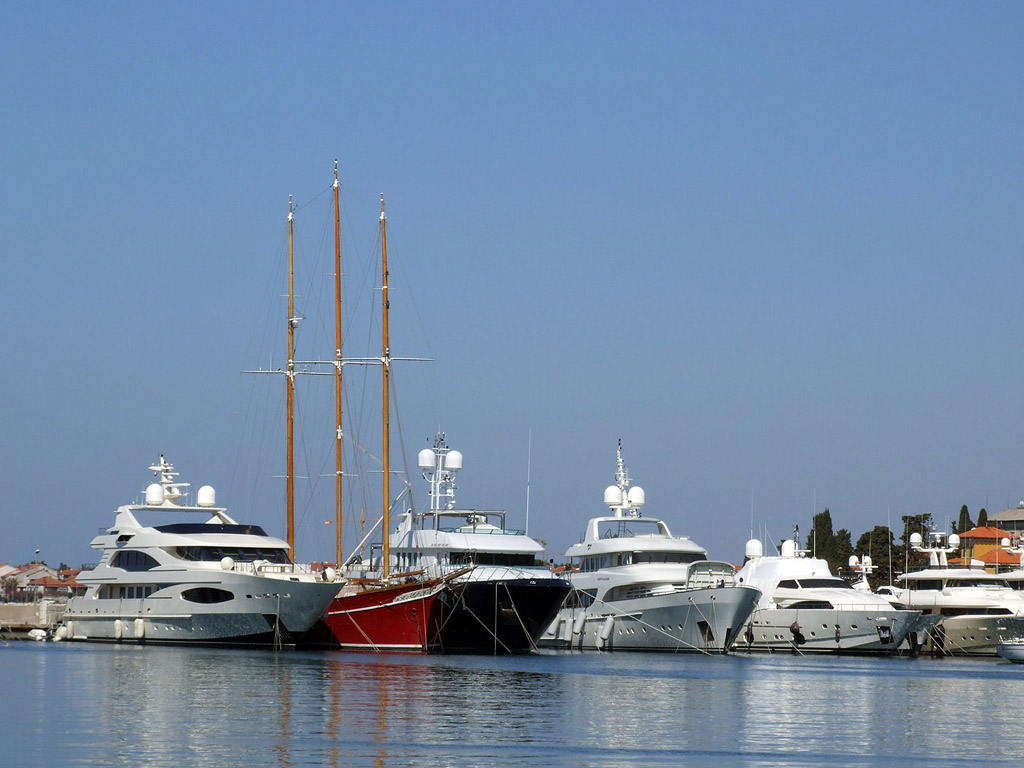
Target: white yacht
172, 572
506, 596
638, 587
804, 607
969, 600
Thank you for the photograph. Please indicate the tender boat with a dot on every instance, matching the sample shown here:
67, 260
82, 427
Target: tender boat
1010, 639
969, 601
638, 587
506, 595
804, 607
174, 572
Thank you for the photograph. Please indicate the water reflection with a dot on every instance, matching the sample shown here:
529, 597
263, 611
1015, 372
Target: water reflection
196, 707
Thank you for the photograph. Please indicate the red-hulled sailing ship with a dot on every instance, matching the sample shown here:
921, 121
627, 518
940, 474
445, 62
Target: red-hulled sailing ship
379, 611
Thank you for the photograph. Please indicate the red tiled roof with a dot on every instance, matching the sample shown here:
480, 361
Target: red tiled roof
987, 532
48, 582
999, 557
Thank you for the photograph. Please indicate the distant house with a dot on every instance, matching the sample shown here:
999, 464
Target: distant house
984, 545
17, 583
1010, 519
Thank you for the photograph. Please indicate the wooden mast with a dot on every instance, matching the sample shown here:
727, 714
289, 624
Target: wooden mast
337, 374
386, 368
290, 455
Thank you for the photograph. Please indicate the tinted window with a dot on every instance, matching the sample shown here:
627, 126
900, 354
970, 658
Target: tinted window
206, 595
133, 560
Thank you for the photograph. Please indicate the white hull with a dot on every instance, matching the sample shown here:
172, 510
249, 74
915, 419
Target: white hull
262, 610
826, 630
700, 620
1013, 651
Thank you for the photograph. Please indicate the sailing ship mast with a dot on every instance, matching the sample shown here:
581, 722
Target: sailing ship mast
290, 406
386, 369
337, 374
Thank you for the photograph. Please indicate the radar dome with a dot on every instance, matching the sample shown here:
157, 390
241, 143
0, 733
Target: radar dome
1004, 542
636, 496
154, 495
788, 548
613, 496
453, 461
227, 563
753, 549
954, 540
915, 539
206, 496
854, 561
866, 561
425, 459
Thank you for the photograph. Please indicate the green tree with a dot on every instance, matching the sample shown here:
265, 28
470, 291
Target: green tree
964, 523
826, 544
982, 517
879, 544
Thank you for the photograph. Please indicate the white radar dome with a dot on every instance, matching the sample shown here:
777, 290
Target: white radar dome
788, 548
915, 539
154, 495
425, 459
453, 461
227, 563
613, 496
753, 549
1004, 542
954, 540
854, 561
206, 496
866, 561
636, 496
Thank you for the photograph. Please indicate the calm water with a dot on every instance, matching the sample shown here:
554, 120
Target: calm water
92, 705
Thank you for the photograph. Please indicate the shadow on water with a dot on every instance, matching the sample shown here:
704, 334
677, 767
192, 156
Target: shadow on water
130, 706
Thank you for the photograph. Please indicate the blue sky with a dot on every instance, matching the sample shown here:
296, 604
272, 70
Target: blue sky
774, 248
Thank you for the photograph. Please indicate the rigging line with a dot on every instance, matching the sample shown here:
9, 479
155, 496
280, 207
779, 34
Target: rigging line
321, 193
515, 611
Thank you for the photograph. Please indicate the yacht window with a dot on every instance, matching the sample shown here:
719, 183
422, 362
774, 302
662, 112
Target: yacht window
667, 557
926, 584
812, 604
133, 560
788, 584
976, 583
491, 558
238, 554
824, 583
206, 595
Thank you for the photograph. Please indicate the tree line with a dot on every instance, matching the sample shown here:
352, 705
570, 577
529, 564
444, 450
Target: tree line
890, 556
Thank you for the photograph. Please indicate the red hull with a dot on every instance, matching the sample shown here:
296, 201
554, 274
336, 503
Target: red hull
402, 618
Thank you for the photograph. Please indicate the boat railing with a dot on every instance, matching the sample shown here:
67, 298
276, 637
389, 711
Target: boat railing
488, 531
263, 567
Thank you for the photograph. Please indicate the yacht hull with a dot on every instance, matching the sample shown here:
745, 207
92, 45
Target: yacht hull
694, 620
404, 618
501, 616
837, 630
261, 611
967, 635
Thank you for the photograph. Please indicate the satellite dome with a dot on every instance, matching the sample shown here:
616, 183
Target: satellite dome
154, 495
753, 549
915, 539
788, 548
453, 461
206, 496
954, 540
854, 561
425, 459
636, 496
613, 496
1004, 542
